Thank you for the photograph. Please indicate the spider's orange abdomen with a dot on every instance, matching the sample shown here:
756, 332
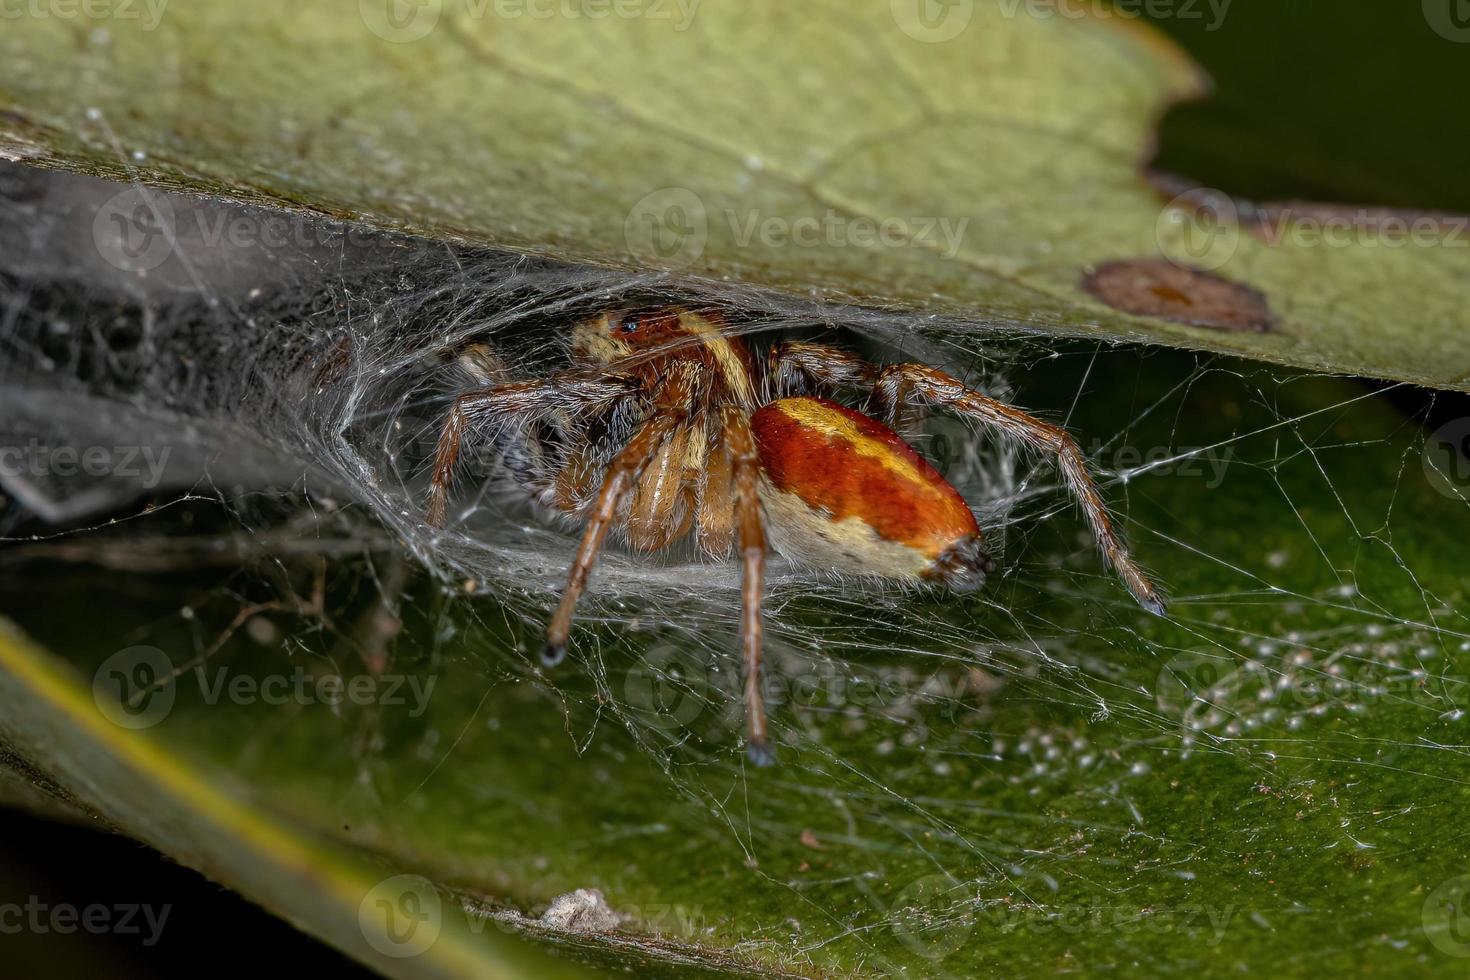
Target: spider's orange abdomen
845, 489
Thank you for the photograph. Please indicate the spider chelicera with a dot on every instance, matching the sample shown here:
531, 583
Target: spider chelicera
664, 424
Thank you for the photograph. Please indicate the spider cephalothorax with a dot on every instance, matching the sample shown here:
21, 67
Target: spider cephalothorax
665, 424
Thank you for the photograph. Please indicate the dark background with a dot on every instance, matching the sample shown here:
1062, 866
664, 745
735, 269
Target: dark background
208, 932
1354, 101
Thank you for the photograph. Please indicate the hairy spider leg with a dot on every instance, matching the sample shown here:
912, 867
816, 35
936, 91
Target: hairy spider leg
624, 471
938, 388
796, 365
745, 464
514, 398
661, 509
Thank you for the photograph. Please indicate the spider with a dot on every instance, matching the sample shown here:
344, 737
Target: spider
664, 424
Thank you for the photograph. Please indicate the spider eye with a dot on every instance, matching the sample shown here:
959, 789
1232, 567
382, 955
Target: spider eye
629, 324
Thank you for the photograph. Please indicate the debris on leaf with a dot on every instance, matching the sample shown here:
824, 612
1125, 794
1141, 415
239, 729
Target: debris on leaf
584, 910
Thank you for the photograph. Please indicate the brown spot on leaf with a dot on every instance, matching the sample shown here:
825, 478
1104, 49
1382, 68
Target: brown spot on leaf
1163, 289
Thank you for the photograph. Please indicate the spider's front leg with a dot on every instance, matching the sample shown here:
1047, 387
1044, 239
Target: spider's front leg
745, 469
518, 398
621, 475
799, 368
898, 383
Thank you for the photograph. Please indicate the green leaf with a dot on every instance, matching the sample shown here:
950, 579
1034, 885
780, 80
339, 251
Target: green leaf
398, 924
1035, 779
763, 142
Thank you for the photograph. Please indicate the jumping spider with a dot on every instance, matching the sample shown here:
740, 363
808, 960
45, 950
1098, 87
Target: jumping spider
664, 423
